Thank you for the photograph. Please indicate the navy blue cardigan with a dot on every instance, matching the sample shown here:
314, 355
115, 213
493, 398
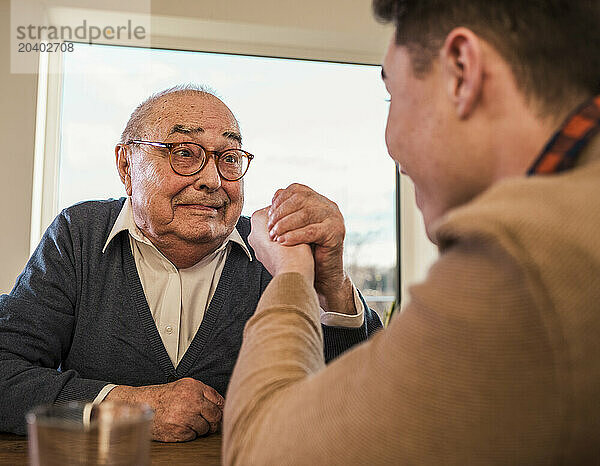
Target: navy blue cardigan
78, 319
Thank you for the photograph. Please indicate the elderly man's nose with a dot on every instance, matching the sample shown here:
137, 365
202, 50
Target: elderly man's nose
208, 177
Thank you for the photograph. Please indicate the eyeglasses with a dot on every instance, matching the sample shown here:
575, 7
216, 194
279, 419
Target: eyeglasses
188, 158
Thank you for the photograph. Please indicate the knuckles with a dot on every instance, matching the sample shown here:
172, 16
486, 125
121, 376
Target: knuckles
188, 387
305, 216
298, 187
212, 414
180, 432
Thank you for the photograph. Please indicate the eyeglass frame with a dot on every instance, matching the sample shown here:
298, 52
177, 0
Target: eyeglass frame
216, 155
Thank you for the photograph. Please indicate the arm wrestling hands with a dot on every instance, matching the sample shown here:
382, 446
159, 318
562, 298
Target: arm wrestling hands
299, 215
276, 258
183, 410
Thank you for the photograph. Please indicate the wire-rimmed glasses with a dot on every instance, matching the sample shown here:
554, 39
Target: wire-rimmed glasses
188, 158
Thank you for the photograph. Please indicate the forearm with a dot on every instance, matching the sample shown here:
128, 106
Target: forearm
279, 392
282, 345
125, 393
150, 394
338, 297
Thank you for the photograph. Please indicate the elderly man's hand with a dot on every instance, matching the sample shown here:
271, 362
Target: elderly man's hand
183, 410
275, 257
300, 215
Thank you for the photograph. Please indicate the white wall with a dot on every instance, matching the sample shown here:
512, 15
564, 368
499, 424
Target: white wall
17, 126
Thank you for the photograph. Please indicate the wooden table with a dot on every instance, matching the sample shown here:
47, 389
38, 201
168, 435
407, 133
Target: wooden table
204, 451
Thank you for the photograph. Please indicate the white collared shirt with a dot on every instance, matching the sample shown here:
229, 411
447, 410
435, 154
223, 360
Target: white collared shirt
178, 298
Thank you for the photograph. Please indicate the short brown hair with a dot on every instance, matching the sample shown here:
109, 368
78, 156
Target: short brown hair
552, 46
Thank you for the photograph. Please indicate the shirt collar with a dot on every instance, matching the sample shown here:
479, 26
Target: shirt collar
125, 222
237, 238
566, 145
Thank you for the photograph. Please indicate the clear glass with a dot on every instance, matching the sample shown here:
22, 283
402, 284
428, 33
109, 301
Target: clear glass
80, 433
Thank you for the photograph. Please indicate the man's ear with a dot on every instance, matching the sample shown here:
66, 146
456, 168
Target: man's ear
123, 166
462, 64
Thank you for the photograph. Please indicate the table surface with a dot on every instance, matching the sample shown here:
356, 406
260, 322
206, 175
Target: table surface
204, 451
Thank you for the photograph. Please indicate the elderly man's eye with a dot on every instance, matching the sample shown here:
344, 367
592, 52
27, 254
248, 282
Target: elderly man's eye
231, 158
183, 153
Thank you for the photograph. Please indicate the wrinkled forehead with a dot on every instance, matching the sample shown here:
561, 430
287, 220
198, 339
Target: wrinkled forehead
189, 113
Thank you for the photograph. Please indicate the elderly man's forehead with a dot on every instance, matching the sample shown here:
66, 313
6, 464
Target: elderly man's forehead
196, 101
187, 113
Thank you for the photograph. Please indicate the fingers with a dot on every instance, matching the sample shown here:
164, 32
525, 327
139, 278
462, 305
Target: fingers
297, 197
199, 425
258, 229
183, 409
209, 411
276, 258
213, 396
281, 195
203, 414
294, 197
295, 221
172, 433
318, 225
258, 220
190, 409
305, 235
298, 207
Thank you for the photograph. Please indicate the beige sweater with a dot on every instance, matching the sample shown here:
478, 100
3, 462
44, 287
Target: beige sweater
496, 360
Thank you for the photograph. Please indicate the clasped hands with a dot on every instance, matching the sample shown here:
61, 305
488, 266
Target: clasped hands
303, 231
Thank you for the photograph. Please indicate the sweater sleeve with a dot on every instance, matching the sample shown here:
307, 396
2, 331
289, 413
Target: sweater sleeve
337, 340
36, 325
465, 374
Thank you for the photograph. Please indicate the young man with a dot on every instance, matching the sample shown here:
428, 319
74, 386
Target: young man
496, 359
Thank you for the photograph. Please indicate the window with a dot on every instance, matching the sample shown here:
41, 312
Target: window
317, 123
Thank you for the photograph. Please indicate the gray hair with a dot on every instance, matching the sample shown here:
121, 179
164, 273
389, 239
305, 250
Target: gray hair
136, 124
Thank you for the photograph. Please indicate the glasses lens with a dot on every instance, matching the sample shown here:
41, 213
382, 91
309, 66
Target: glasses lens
187, 158
233, 164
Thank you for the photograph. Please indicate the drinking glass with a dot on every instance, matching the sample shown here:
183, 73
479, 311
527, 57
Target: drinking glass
79, 433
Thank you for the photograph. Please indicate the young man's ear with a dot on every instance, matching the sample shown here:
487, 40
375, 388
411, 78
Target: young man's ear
462, 64
123, 166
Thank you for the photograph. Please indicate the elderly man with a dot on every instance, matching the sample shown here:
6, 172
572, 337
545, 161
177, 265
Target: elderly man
494, 114
145, 298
